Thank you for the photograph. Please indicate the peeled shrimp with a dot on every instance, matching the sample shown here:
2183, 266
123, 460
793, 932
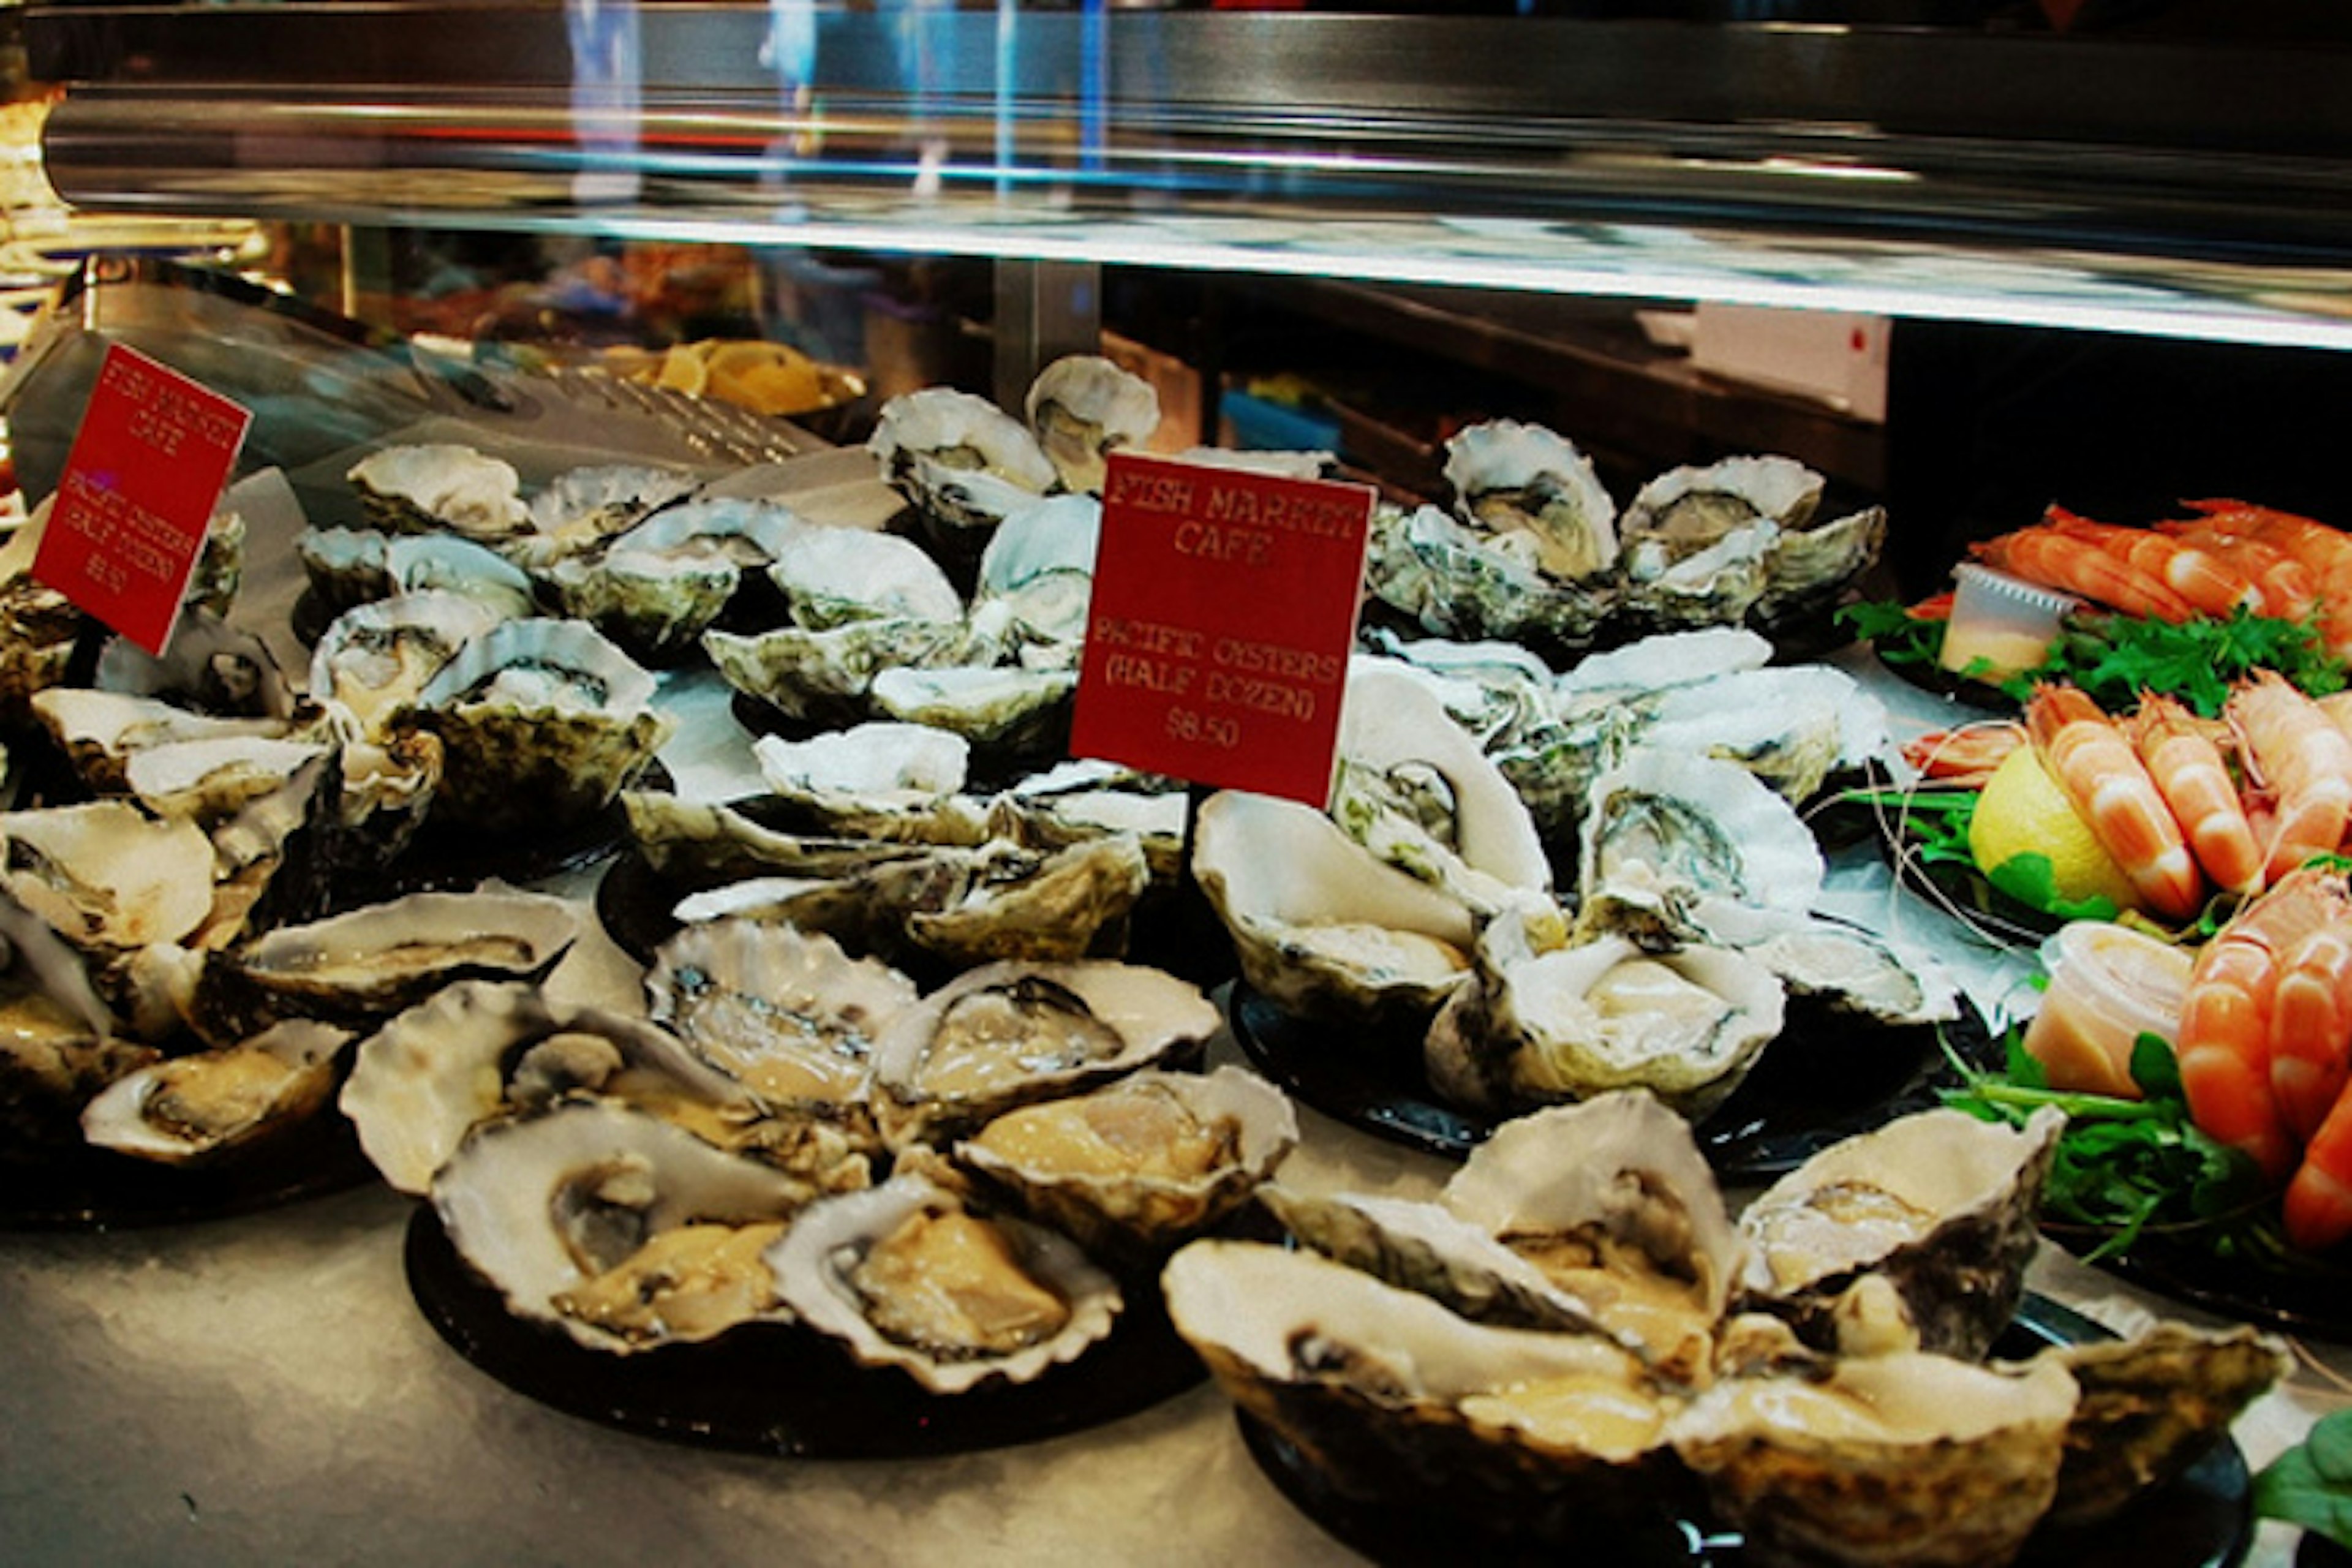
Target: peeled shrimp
2325, 551
2204, 579
2224, 1044
2302, 764
2094, 763
2186, 762
2056, 559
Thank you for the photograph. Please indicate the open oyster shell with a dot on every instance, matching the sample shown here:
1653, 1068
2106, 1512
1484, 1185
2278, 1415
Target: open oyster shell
1083, 407
100, 732
2151, 1406
1140, 1165
477, 1048
188, 1108
61, 1043
1008, 1035
1669, 833
1908, 1458
824, 677
360, 967
784, 1012
1547, 1020
540, 722
1613, 1202
375, 660
105, 876
625, 1232
964, 462
1536, 493
1389, 1394
416, 488
1939, 1204
907, 1275
1322, 926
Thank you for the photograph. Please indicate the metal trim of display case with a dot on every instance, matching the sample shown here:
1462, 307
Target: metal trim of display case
2079, 182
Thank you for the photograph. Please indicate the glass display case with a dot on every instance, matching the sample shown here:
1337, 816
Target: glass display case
1494, 193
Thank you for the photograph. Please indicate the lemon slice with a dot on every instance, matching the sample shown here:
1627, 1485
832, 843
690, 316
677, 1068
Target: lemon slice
685, 369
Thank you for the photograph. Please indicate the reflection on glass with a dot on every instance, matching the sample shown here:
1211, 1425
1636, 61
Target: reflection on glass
607, 77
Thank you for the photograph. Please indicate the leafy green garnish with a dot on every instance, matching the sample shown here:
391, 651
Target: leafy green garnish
2125, 1166
2311, 1483
2116, 659
2033, 880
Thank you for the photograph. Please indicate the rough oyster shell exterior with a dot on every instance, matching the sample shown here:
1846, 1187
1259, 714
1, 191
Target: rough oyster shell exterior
1950, 1205
416, 489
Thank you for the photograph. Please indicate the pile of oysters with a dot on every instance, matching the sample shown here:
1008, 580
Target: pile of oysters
1533, 548
952, 1184
1560, 885
1576, 1339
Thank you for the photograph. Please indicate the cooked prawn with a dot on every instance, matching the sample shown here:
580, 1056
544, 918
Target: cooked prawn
2325, 551
2056, 559
2289, 589
2198, 575
2190, 771
2302, 762
2094, 763
2224, 1044
1964, 757
2311, 1026
2318, 1209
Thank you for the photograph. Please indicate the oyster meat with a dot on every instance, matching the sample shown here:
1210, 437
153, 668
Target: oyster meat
189, 1108
908, 1274
966, 463
1083, 407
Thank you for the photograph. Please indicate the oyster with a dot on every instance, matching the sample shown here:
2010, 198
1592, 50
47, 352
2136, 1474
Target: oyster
652, 603
59, 1042
787, 1015
541, 722
2151, 1406
1083, 407
1457, 581
1039, 569
907, 1275
1320, 925
959, 458
1006, 711
476, 1049
1938, 1203
100, 732
208, 666
1414, 788
190, 1108
1547, 1019
374, 660
824, 675
834, 576
107, 877
1908, 1458
1698, 541
582, 508
901, 762
623, 1231
1613, 1201
417, 489
1537, 494
1808, 565
348, 567
363, 965
1390, 1395
1665, 661
1137, 1166
1792, 726
1003, 902
1669, 836
206, 780
1008, 1035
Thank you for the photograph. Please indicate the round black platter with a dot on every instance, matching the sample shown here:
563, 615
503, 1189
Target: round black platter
77, 1188
1826, 1078
786, 1391
2203, 1519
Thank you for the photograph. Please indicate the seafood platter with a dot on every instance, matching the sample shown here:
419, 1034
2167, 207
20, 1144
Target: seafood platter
905, 1138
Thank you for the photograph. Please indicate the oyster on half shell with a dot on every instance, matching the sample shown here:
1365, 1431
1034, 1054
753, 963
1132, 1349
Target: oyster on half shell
908, 1274
190, 1108
1937, 1203
622, 1230
1007, 1035
1083, 407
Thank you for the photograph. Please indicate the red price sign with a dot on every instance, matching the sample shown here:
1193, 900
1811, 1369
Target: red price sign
128, 518
1224, 609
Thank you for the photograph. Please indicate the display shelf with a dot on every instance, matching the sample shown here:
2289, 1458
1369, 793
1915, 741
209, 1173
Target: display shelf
2088, 183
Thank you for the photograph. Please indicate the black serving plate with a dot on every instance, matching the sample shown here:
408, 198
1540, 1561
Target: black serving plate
1176, 929
2203, 1519
1826, 1078
77, 1188
787, 1391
